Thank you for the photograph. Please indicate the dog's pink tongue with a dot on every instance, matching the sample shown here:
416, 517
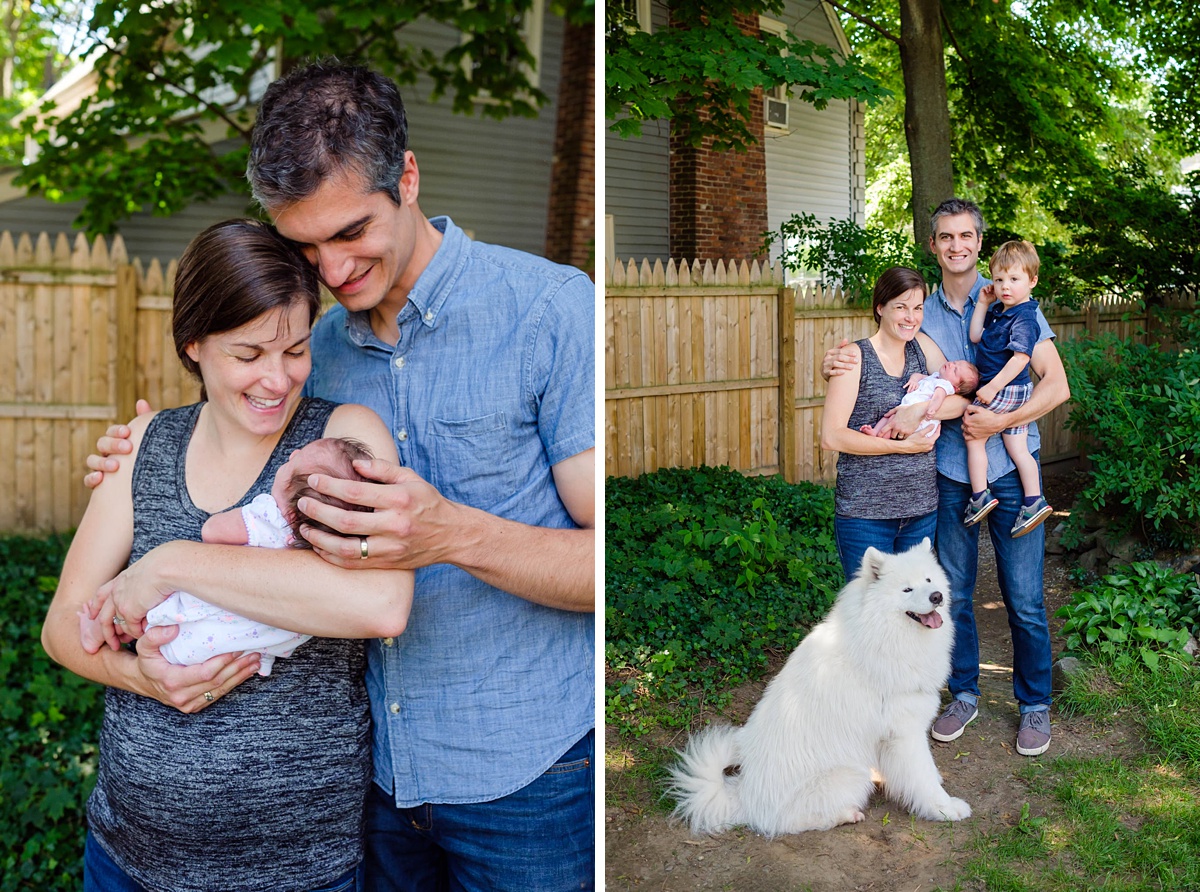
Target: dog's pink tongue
932, 619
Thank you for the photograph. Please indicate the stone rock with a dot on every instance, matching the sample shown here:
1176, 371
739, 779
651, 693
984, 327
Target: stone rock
1062, 671
1091, 560
1186, 563
1192, 646
1127, 549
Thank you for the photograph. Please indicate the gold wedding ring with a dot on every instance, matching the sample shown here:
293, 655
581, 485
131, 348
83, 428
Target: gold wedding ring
362, 548
208, 695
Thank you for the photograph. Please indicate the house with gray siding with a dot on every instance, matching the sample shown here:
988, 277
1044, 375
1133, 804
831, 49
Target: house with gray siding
492, 177
656, 204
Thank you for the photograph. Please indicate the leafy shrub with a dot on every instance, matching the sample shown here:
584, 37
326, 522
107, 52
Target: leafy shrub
706, 572
50, 725
1134, 615
1131, 233
848, 253
1137, 408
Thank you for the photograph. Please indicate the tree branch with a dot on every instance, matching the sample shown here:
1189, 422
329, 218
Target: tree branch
953, 39
870, 23
217, 110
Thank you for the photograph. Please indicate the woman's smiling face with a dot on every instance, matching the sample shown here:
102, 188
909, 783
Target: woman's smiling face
253, 375
901, 316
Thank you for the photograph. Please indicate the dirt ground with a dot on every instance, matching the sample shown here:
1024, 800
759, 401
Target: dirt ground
890, 851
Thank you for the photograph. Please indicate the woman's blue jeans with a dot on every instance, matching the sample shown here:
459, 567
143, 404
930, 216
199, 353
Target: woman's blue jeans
855, 535
1019, 568
102, 874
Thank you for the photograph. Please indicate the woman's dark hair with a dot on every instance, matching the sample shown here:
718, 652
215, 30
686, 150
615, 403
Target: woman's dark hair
232, 273
893, 282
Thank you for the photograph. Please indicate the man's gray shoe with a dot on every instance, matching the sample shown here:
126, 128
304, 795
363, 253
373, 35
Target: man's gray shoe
1033, 737
953, 720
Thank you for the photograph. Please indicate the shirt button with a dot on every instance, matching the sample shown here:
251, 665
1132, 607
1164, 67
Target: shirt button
429, 315
388, 642
399, 362
394, 709
401, 435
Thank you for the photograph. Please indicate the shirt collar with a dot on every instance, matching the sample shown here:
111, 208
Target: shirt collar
972, 295
427, 299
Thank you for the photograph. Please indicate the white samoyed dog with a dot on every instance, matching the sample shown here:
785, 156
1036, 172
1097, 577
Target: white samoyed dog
853, 702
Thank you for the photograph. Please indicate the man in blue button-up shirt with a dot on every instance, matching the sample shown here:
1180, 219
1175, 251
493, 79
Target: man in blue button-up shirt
956, 236
481, 359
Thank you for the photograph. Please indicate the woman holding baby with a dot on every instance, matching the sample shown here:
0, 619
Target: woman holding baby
266, 791
886, 492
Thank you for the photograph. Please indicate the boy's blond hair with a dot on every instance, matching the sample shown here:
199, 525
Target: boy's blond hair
1012, 255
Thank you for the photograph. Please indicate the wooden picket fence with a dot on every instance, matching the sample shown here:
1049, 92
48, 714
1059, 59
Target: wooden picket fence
84, 332
715, 365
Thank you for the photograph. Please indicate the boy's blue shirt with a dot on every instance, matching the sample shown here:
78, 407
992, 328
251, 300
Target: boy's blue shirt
1005, 332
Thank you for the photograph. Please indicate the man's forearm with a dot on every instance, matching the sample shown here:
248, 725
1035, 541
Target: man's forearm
551, 567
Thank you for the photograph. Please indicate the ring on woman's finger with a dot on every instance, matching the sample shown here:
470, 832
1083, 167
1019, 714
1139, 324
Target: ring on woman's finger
362, 548
119, 620
208, 696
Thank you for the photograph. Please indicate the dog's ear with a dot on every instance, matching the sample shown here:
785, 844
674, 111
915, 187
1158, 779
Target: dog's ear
872, 564
925, 544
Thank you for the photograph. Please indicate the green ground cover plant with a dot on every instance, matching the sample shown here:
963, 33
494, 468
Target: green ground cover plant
708, 573
49, 725
1142, 613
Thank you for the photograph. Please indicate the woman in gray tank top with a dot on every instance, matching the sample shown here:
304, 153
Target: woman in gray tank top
211, 777
886, 491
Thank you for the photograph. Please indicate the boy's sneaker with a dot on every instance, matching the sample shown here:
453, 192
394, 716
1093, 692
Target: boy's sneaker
1033, 737
1030, 517
953, 721
978, 509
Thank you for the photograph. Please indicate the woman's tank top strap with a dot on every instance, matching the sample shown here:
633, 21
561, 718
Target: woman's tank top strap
163, 510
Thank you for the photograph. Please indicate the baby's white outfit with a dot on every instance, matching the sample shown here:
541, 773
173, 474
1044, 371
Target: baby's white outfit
926, 388
206, 630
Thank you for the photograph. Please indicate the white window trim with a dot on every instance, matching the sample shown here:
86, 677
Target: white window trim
531, 33
779, 93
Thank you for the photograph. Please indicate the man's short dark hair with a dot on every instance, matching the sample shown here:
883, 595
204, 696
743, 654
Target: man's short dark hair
952, 207
323, 120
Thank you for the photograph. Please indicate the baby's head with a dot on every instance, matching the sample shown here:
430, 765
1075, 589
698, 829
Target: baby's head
962, 374
332, 456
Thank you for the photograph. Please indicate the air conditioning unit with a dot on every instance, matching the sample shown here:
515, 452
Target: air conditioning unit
776, 112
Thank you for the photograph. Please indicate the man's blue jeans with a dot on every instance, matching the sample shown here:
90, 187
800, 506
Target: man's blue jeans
1019, 565
855, 535
539, 838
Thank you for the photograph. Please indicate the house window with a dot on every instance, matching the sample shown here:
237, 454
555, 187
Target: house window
529, 22
776, 107
630, 14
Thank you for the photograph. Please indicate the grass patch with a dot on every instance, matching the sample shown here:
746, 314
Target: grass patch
1108, 824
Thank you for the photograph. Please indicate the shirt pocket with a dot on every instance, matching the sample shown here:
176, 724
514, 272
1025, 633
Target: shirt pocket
474, 459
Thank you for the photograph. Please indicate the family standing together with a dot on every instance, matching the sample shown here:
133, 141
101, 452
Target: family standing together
437, 729
941, 480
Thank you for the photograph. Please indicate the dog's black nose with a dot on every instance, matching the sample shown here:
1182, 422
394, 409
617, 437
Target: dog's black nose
935, 599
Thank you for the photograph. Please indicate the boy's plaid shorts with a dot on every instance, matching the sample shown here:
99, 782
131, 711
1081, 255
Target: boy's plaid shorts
1011, 397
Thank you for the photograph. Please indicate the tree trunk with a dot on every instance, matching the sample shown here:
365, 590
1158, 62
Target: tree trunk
926, 110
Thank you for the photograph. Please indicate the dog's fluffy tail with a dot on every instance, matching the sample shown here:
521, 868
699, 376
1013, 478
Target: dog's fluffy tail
705, 797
